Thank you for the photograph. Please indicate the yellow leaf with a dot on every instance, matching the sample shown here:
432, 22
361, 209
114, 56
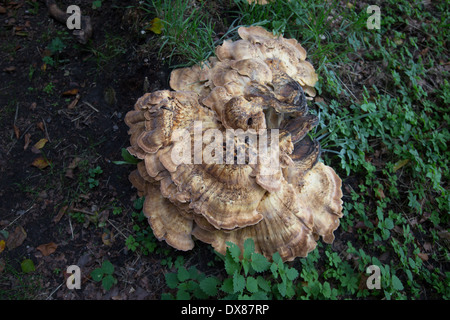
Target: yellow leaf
400, 164
156, 26
2, 245
41, 143
71, 92
40, 163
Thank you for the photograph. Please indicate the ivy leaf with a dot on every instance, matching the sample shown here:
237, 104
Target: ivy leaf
238, 282
209, 286
259, 262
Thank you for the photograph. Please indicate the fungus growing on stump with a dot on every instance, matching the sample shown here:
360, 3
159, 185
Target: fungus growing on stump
226, 156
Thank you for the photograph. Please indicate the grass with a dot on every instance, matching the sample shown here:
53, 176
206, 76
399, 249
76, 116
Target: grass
383, 127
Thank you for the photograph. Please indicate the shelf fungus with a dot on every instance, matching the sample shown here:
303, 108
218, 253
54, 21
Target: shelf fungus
226, 153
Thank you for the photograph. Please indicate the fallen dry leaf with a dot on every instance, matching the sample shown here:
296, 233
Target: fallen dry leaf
423, 256
16, 131
444, 235
2, 245
107, 238
74, 102
427, 246
16, 238
156, 26
71, 92
48, 248
27, 141
33, 106
60, 214
40, 125
39, 145
72, 165
10, 69
400, 164
2, 9
41, 163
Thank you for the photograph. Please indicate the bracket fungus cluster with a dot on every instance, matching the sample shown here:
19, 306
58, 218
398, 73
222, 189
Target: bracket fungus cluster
259, 83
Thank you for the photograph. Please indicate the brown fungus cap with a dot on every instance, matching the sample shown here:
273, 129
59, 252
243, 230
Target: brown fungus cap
261, 82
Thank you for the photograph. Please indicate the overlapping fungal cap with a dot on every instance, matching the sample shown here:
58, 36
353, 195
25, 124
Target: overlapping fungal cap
197, 187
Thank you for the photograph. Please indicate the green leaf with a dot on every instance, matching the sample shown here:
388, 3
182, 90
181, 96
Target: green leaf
108, 281
96, 4
183, 295
282, 288
252, 284
27, 266
227, 286
167, 296
127, 157
230, 265
388, 223
396, 283
292, 273
259, 262
238, 282
171, 280
277, 258
326, 290
259, 296
183, 274
249, 248
209, 285
234, 251
246, 266
107, 267
263, 283
97, 274
194, 273
274, 269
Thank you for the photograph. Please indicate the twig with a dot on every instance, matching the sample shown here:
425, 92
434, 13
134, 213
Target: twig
83, 211
116, 228
46, 132
71, 228
90, 105
20, 215
54, 291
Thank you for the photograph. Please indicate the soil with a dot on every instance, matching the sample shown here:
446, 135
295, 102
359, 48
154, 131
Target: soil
108, 74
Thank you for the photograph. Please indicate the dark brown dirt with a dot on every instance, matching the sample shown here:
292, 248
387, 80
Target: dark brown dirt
33, 107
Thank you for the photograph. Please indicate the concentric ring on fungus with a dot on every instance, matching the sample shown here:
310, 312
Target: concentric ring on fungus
260, 82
